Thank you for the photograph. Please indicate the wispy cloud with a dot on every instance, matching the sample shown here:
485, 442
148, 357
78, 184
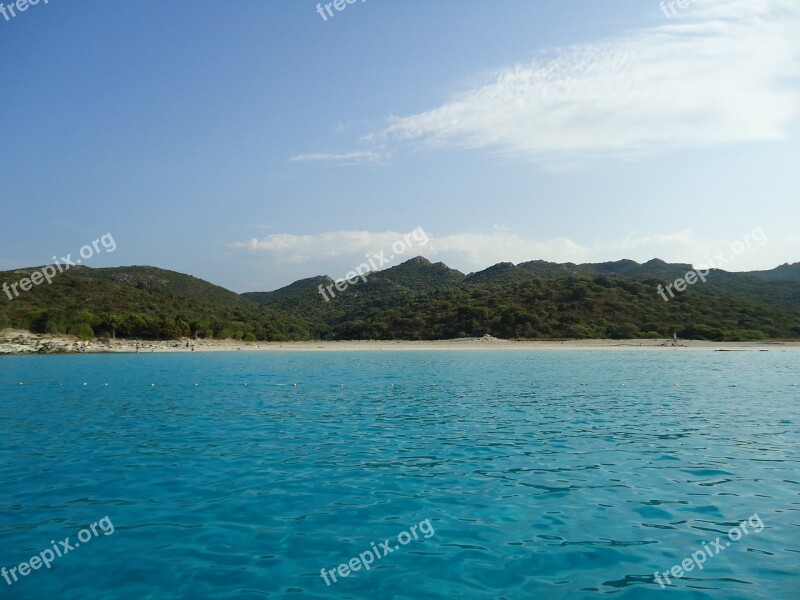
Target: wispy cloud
341, 127
349, 158
299, 249
721, 74
338, 251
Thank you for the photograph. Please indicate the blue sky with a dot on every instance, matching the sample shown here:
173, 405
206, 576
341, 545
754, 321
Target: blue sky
253, 143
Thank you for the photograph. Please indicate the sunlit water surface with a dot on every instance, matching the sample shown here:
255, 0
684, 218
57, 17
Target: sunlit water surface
548, 474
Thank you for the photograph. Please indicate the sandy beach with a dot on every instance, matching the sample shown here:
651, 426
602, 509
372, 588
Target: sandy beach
23, 342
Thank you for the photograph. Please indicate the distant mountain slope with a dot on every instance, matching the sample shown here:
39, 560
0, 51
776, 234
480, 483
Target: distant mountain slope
500, 274
624, 269
420, 275
301, 287
417, 274
162, 280
785, 272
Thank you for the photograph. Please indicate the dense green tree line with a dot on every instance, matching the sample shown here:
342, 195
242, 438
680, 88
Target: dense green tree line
570, 308
414, 301
143, 303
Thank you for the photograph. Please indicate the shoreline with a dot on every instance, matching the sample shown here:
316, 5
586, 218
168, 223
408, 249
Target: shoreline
17, 342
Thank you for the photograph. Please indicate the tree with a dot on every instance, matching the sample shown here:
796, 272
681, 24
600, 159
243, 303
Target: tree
82, 331
113, 321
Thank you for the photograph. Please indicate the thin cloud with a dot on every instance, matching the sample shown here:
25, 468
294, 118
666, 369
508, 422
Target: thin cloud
350, 158
469, 251
341, 127
298, 249
719, 75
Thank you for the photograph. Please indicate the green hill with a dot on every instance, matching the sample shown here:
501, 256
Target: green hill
547, 300
622, 269
420, 275
785, 272
142, 302
418, 300
500, 274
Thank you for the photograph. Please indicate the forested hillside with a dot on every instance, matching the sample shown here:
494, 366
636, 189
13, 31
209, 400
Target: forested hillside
418, 300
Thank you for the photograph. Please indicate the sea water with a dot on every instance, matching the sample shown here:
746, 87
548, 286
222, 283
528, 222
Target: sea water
541, 474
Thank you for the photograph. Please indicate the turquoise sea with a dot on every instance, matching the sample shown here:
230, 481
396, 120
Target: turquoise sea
544, 474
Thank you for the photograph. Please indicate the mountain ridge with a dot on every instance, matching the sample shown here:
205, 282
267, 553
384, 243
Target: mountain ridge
625, 268
416, 300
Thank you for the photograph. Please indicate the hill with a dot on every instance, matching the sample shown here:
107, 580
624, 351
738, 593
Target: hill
785, 272
548, 300
622, 269
142, 302
418, 300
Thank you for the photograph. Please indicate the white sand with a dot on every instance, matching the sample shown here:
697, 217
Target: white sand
24, 342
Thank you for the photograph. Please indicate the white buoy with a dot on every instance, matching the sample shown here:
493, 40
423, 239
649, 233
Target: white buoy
152, 385
84, 383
